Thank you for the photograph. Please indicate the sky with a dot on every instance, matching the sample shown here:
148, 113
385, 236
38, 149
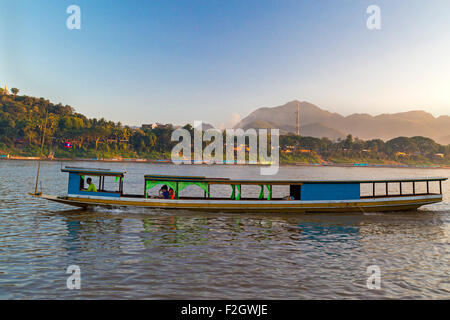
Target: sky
216, 61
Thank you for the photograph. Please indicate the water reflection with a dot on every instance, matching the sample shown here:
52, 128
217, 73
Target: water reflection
319, 231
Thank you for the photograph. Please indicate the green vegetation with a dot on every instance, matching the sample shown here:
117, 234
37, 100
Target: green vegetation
401, 150
22, 119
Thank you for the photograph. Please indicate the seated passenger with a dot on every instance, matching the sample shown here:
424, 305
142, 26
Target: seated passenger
91, 186
164, 192
171, 194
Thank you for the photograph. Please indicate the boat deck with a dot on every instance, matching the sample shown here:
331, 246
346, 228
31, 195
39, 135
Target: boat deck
404, 203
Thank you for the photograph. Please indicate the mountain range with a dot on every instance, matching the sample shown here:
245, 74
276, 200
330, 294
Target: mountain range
316, 122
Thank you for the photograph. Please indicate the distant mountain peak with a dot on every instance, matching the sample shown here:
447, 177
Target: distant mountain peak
318, 122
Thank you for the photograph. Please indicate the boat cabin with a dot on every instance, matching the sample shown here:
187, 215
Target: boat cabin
312, 190
78, 176
304, 190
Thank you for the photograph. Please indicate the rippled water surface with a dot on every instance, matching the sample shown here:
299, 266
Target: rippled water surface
148, 254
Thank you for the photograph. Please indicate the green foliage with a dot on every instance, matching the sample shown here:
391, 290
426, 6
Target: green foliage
415, 150
299, 158
22, 120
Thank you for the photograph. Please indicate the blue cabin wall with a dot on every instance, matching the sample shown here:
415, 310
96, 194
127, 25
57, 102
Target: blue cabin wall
331, 191
74, 188
74, 183
99, 194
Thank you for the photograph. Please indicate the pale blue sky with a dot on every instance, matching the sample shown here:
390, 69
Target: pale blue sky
180, 61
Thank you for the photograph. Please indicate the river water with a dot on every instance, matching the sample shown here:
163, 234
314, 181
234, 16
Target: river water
148, 254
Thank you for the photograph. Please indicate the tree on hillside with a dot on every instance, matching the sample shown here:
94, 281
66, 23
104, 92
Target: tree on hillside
425, 146
14, 91
143, 141
401, 144
100, 129
348, 142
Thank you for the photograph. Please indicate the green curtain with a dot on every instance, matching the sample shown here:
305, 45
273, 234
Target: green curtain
261, 193
236, 195
269, 188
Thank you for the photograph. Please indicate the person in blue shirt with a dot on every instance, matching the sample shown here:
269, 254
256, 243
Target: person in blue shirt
164, 192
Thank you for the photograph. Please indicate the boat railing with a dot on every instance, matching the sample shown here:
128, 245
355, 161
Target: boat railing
400, 190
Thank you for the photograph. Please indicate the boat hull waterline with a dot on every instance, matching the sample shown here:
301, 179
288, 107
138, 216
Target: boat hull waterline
383, 204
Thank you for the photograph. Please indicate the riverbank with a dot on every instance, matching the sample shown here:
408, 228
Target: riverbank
282, 163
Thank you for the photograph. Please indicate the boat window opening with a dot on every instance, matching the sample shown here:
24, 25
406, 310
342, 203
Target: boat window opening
83, 182
250, 192
220, 191
152, 188
282, 192
295, 191
111, 184
108, 184
259, 192
194, 189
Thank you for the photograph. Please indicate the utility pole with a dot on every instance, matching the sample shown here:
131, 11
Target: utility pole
298, 118
40, 155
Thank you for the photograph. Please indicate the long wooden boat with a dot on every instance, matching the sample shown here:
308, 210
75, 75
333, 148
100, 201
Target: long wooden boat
304, 195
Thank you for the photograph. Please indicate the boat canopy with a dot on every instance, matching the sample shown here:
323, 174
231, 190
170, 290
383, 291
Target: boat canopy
165, 178
93, 171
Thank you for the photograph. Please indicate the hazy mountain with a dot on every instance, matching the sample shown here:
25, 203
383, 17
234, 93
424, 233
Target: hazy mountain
445, 140
206, 126
317, 122
319, 130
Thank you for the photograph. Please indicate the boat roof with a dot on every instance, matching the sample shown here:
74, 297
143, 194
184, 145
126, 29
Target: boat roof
93, 171
162, 178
